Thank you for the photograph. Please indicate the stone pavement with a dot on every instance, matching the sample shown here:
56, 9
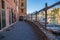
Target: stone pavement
20, 31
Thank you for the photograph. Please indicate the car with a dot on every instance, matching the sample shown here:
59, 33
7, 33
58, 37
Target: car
21, 18
24, 18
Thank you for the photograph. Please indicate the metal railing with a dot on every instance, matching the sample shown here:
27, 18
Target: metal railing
43, 14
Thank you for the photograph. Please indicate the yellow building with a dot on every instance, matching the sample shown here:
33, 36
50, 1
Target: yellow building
22, 7
57, 18
49, 16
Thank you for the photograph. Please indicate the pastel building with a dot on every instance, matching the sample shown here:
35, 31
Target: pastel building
22, 7
8, 13
41, 16
57, 16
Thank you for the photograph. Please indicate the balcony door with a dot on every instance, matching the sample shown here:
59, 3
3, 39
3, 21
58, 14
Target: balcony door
3, 19
0, 20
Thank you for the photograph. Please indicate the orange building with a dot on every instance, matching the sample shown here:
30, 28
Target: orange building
22, 7
7, 13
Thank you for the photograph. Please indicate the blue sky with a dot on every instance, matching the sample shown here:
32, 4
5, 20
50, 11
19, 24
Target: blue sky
35, 5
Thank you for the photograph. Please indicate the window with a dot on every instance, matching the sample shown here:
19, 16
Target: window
3, 19
22, 10
22, 4
3, 6
10, 17
22, 0
0, 20
14, 0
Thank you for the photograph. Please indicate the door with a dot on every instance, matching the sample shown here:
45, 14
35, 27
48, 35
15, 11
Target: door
0, 20
3, 19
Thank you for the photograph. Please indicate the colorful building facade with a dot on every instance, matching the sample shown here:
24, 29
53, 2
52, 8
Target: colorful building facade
53, 16
22, 7
8, 13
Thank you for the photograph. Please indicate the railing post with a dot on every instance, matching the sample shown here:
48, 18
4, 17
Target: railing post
45, 14
36, 16
31, 17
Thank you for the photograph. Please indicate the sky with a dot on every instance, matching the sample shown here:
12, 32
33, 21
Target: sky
36, 5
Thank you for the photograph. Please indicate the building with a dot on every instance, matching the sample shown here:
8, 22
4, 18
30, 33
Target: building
7, 13
22, 7
58, 19
51, 17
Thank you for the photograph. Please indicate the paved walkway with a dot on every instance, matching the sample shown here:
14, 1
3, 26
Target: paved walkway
46, 32
21, 31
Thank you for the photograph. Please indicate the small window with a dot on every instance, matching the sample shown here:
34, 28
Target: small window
14, 0
22, 4
22, 10
22, 0
3, 6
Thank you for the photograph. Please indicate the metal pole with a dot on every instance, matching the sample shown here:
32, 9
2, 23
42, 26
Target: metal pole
45, 14
36, 16
31, 17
